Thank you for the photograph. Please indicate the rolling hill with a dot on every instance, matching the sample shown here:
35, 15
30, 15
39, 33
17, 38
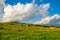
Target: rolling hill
24, 31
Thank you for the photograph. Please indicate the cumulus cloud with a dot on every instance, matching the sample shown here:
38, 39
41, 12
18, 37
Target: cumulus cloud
22, 12
53, 20
27, 12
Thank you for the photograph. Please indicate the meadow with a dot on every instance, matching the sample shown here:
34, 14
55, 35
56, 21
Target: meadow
23, 31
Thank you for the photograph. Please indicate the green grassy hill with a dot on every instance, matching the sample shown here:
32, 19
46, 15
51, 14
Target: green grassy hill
22, 31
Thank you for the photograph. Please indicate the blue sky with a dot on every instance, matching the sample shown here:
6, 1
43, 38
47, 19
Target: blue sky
45, 12
54, 4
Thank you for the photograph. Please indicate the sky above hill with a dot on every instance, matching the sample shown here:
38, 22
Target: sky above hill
30, 11
54, 4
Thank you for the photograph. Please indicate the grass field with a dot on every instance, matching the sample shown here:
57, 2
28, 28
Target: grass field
21, 31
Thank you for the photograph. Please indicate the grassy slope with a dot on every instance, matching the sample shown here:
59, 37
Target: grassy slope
16, 31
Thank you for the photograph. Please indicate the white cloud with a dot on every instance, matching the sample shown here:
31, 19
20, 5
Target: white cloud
27, 12
22, 12
53, 20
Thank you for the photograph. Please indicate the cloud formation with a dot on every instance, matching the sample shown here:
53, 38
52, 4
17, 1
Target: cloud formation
27, 12
53, 20
22, 12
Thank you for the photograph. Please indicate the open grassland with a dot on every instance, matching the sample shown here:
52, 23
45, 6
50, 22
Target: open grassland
21, 31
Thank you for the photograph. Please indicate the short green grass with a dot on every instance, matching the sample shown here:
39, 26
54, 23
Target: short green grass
21, 31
